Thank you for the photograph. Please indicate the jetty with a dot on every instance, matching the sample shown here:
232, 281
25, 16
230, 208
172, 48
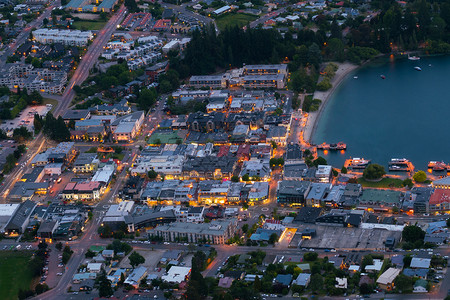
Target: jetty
338, 146
401, 165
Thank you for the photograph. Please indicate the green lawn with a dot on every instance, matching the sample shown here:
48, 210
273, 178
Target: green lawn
386, 182
234, 19
164, 138
14, 273
50, 101
89, 25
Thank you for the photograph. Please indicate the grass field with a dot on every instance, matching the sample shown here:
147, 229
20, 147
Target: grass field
234, 19
164, 138
386, 182
14, 274
50, 101
89, 25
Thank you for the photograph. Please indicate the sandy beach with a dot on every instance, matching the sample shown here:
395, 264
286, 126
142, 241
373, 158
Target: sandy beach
313, 117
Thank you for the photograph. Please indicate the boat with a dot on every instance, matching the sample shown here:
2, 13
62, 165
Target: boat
413, 57
418, 68
355, 77
358, 163
323, 146
429, 65
383, 77
437, 166
400, 164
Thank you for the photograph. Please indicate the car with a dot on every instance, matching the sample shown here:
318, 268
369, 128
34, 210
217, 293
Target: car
60, 266
59, 274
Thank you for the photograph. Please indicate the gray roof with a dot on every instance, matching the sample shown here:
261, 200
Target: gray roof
276, 131
21, 215
318, 190
302, 279
293, 187
84, 159
47, 226
420, 263
76, 114
214, 228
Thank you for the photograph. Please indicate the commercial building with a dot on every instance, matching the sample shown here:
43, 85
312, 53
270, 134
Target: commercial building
126, 128
292, 192
216, 232
264, 81
256, 168
443, 183
265, 69
323, 173
440, 200
20, 219
209, 167
64, 36
86, 191
85, 163
7, 211
168, 165
212, 81
86, 5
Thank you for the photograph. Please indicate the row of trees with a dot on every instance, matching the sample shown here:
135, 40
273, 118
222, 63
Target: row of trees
55, 129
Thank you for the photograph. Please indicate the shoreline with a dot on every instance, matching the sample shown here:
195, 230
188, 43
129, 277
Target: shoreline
314, 117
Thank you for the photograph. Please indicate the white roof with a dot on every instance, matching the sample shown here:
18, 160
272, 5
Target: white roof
354, 268
8, 209
176, 274
377, 264
388, 276
94, 266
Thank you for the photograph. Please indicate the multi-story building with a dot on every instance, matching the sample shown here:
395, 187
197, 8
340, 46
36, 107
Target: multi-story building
206, 122
213, 81
216, 232
89, 191
170, 166
66, 37
265, 69
125, 128
209, 167
293, 192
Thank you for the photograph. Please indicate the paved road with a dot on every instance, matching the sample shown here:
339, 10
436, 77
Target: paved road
266, 17
25, 33
182, 9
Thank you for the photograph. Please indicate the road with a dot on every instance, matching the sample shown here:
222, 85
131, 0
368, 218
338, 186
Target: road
25, 33
266, 17
182, 9
80, 75
89, 59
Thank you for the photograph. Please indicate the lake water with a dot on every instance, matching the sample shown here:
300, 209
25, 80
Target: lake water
406, 115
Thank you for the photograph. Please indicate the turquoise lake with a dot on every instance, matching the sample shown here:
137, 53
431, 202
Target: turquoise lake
406, 115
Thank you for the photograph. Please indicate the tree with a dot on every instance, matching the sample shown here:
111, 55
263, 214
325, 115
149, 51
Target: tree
245, 177
152, 174
374, 171
365, 289
245, 227
235, 178
136, 259
319, 161
274, 145
316, 282
40, 288
21, 134
420, 176
310, 256
344, 170
273, 238
413, 233
59, 246
408, 182
104, 285
448, 222
403, 283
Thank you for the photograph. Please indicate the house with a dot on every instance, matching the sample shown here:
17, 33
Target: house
225, 282
283, 280
126, 128
420, 263
386, 280
136, 276
341, 283
20, 219
235, 274
94, 267
420, 286
87, 285
376, 267
108, 253
177, 274
302, 279
76, 115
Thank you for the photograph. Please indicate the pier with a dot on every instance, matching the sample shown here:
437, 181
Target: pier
401, 165
338, 146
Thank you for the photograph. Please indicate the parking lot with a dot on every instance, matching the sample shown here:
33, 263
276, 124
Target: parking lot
26, 118
346, 238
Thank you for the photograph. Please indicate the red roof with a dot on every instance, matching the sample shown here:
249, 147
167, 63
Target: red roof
244, 150
341, 3
223, 151
440, 196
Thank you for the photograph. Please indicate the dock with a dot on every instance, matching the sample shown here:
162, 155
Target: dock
356, 163
438, 166
338, 146
400, 165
